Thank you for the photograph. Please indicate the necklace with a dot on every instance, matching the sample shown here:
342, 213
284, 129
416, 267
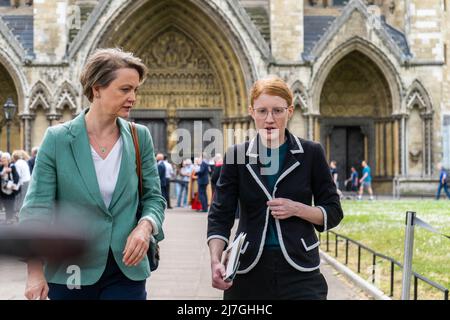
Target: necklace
102, 148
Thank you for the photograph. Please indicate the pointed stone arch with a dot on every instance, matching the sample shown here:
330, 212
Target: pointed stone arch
66, 96
40, 96
373, 24
379, 59
11, 62
208, 76
230, 16
301, 100
298, 124
418, 131
418, 95
13, 84
372, 123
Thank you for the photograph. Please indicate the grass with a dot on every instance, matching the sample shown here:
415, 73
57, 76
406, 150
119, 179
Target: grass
380, 225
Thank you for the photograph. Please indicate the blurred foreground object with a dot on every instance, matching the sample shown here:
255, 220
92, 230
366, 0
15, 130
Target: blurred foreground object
41, 242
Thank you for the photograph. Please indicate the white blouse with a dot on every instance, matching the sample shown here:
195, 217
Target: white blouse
107, 170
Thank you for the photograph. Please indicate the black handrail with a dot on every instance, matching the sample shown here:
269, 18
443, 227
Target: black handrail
375, 254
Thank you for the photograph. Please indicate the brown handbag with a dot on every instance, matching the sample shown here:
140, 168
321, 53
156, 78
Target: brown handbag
153, 249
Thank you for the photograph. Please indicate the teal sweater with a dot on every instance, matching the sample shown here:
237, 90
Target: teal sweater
267, 156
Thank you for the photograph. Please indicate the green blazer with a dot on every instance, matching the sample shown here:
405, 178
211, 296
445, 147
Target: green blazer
64, 188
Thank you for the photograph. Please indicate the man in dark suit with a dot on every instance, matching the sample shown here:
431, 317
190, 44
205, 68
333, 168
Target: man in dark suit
162, 175
31, 161
202, 181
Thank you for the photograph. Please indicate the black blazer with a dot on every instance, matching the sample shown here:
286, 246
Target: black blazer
305, 176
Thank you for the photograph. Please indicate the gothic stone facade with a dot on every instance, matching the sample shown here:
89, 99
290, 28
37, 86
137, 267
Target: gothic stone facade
371, 78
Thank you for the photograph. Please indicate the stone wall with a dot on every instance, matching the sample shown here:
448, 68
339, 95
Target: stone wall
286, 29
50, 30
425, 28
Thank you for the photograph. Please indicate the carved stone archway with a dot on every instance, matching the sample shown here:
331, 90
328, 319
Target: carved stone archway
356, 101
193, 65
8, 90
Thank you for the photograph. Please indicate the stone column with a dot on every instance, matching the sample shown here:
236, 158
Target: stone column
427, 119
403, 145
27, 131
396, 133
286, 30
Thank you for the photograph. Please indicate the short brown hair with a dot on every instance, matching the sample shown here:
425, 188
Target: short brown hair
271, 85
100, 68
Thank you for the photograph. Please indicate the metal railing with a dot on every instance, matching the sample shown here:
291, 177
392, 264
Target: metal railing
375, 254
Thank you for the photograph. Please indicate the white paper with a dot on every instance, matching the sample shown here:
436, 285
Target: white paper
231, 256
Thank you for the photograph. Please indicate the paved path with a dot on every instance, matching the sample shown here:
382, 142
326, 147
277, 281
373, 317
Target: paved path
184, 271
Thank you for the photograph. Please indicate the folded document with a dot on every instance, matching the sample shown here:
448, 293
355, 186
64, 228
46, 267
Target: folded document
231, 255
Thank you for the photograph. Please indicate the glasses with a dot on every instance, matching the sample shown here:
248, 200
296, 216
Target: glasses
277, 112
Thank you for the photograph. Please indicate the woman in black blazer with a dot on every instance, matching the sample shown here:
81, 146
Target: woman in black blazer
273, 178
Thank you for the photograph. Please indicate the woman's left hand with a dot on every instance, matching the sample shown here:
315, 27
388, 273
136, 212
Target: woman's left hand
137, 244
284, 208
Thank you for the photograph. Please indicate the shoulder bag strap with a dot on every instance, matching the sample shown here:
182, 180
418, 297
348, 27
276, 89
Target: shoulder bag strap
138, 155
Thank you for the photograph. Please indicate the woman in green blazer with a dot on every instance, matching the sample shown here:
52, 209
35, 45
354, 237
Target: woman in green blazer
85, 173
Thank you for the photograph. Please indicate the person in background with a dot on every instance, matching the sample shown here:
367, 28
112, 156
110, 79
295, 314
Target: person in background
32, 159
203, 181
162, 174
334, 175
443, 179
185, 173
365, 181
218, 162
170, 175
20, 158
9, 186
193, 187
353, 179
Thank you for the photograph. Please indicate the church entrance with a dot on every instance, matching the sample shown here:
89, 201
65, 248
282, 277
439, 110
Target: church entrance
356, 120
347, 149
196, 72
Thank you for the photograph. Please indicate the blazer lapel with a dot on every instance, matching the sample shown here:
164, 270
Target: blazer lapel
290, 163
254, 166
127, 164
82, 154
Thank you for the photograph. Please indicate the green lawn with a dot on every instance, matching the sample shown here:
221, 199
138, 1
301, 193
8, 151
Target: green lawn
380, 225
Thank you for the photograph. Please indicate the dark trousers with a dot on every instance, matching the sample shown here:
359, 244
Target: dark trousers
112, 285
165, 195
274, 279
168, 194
9, 204
442, 185
202, 196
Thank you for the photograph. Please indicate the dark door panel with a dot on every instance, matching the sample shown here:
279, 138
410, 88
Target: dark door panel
347, 149
158, 132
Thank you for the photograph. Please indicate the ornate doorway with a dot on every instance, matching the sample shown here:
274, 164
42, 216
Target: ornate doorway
195, 68
356, 117
347, 149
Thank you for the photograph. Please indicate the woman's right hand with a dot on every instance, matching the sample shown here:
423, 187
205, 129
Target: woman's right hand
218, 272
36, 287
